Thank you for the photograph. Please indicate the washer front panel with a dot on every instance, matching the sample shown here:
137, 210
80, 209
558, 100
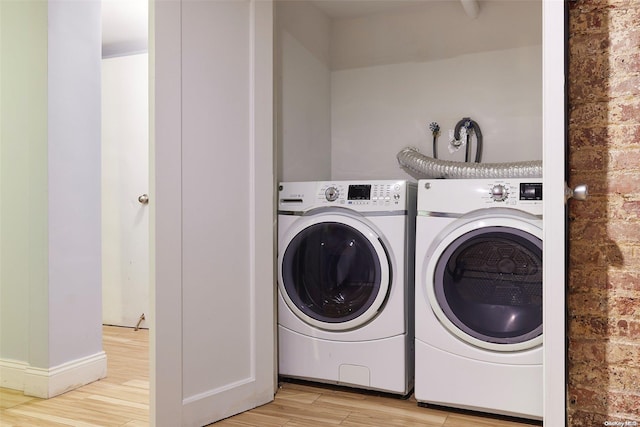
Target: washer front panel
484, 283
334, 272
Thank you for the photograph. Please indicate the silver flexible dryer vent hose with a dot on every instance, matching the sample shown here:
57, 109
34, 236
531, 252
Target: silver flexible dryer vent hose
421, 167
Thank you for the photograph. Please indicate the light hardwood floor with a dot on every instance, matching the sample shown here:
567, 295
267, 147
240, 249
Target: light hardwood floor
122, 399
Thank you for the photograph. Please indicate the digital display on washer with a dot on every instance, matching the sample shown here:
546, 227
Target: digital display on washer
359, 192
531, 191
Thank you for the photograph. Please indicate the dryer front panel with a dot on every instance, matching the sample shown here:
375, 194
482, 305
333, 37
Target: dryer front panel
485, 285
335, 274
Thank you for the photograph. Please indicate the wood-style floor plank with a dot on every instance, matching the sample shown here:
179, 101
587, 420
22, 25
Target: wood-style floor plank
122, 400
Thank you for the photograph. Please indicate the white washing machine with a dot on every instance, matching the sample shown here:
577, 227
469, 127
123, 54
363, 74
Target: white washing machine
479, 295
345, 283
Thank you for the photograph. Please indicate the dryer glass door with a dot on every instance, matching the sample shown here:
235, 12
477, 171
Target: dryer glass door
488, 282
332, 272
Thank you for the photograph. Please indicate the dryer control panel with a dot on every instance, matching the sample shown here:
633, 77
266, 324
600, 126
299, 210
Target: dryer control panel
513, 192
459, 196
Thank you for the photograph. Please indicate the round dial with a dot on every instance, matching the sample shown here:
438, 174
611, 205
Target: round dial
499, 193
331, 194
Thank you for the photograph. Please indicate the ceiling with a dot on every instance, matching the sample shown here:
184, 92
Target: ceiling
125, 22
340, 9
124, 27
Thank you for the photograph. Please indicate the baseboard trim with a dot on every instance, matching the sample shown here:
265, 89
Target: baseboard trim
47, 383
12, 374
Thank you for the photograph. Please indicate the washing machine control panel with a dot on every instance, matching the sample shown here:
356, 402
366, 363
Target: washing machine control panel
365, 196
382, 194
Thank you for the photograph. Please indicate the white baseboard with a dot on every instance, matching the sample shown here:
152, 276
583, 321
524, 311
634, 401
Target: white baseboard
47, 383
12, 374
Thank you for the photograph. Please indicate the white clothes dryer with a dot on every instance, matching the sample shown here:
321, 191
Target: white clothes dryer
479, 295
345, 283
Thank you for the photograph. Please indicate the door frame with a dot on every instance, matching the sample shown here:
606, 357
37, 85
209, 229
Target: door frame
167, 107
553, 159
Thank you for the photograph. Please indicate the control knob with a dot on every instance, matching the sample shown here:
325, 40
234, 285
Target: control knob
499, 193
331, 194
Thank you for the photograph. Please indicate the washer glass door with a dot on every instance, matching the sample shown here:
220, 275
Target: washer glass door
333, 276
488, 283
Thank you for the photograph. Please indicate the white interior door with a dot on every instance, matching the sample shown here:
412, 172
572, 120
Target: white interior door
213, 214
125, 177
553, 34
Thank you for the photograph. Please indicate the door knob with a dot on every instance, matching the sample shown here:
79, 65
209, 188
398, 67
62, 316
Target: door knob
144, 199
579, 192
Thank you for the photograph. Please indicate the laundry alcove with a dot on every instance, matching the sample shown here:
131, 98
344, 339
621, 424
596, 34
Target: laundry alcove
186, 73
357, 81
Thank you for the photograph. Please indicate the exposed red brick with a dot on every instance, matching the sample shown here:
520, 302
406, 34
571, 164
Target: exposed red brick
622, 353
589, 20
623, 231
624, 136
587, 419
588, 230
623, 254
588, 350
623, 306
625, 64
592, 160
595, 114
622, 19
582, 44
589, 304
595, 89
625, 403
624, 110
627, 210
623, 327
597, 207
592, 137
624, 379
589, 400
624, 159
625, 87
581, 252
587, 279
604, 250
590, 327
628, 40
624, 280
626, 184
634, 329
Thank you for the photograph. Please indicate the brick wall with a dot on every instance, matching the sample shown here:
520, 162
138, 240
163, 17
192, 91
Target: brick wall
604, 271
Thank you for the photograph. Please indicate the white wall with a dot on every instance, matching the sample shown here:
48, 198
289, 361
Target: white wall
392, 73
377, 111
23, 188
51, 336
303, 111
74, 180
